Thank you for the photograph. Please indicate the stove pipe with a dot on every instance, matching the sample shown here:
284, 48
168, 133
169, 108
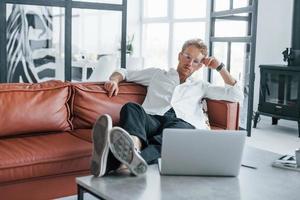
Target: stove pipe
292, 55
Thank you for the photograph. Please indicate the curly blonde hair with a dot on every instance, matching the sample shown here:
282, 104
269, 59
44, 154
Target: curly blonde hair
198, 43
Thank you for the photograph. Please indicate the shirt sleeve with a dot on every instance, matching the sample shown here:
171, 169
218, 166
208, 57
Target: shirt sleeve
228, 93
142, 77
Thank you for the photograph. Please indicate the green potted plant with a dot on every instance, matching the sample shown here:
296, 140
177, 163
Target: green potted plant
129, 45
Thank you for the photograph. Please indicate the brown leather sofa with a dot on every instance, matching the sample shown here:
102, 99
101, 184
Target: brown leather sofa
45, 133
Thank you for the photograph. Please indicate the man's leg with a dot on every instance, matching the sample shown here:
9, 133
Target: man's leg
168, 120
127, 142
153, 151
102, 159
123, 148
148, 128
177, 123
171, 121
137, 122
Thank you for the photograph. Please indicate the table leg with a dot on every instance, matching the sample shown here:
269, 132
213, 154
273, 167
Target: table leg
80, 192
299, 128
274, 121
256, 116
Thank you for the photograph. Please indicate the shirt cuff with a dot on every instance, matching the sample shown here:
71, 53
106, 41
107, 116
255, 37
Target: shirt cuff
236, 85
123, 72
237, 91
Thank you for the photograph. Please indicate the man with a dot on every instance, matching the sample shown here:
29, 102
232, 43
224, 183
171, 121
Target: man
173, 100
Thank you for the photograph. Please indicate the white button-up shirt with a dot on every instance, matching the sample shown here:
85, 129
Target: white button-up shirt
165, 91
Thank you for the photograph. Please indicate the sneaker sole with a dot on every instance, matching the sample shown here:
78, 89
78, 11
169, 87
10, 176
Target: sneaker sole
100, 145
122, 146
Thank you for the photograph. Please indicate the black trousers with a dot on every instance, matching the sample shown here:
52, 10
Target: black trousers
148, 128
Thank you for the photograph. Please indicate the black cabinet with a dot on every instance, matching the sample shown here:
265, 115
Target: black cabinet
279, 93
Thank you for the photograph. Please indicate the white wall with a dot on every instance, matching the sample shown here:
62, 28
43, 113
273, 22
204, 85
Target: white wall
274, 32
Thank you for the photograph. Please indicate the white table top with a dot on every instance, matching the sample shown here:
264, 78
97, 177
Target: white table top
263, 183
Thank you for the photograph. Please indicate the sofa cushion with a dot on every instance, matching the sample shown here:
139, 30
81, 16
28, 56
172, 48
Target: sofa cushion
84, 134
29, 108
42, 155
89, 100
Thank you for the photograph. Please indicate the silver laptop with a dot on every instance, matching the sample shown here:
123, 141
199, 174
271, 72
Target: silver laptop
201, 152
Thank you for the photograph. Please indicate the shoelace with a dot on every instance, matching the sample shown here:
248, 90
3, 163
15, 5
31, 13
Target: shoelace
137, 150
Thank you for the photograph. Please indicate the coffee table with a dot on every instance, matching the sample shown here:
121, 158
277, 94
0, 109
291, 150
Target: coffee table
265, 182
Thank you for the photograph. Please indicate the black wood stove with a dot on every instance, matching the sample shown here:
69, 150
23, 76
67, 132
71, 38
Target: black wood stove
280, 84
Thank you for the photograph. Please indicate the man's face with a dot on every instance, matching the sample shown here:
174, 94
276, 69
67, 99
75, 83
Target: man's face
190, 60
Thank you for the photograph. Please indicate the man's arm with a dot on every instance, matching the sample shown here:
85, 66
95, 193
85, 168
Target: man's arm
228, 79
112, 86
231, 93
117, 77
142, 77
213, 63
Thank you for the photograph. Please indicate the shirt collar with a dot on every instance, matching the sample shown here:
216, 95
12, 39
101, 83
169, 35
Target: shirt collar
174, 72
190, 79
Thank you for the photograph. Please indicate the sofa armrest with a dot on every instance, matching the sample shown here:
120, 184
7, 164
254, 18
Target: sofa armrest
223, 114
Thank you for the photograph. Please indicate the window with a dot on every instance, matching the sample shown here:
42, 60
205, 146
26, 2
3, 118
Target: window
231, 28
220, 5
96, 36
166, 27
62, 39
35, 43
232, 40
156, 44
152, 10
189, 9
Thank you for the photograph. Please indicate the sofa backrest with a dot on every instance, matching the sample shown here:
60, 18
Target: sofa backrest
89, 100
55, 106
39, 107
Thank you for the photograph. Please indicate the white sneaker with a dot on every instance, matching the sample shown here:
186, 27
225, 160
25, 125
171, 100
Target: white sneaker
100, 132
122, 146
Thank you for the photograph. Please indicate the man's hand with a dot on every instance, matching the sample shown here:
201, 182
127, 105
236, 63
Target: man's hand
211, 62
112, 88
